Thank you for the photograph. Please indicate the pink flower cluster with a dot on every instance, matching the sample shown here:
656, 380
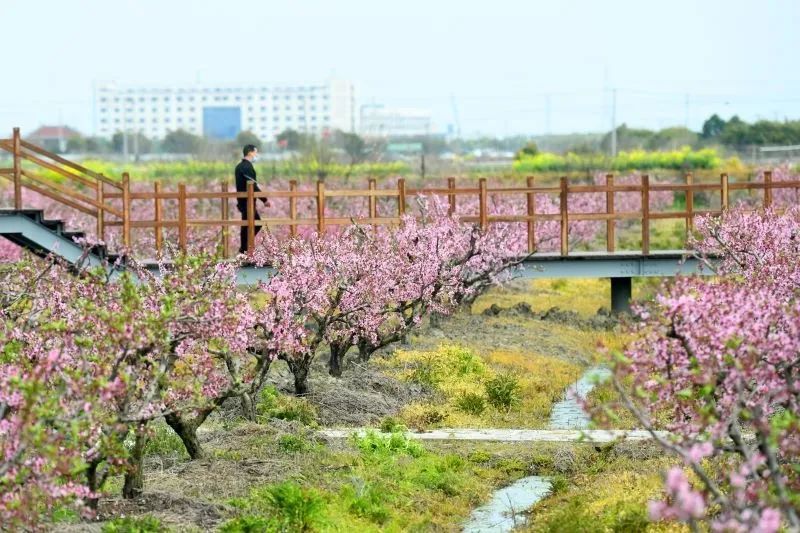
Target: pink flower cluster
716, 362
368, 286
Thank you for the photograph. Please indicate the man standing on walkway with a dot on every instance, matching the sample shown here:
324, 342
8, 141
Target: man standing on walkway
246, 173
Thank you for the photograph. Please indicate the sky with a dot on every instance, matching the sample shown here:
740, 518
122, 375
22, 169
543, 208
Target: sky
497, 67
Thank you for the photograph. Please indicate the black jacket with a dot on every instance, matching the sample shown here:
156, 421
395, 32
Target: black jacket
245, 172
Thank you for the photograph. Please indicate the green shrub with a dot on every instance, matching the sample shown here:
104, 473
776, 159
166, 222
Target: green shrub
470, 402
282, 507
558, 484
292, 443
503, 391
372, 443
391, 424
272, 404
480, 456
434, 367
426, 371
682, 159
367, 500
250, 524
134, 524
422, 416
443, 476
576, 515
162, 441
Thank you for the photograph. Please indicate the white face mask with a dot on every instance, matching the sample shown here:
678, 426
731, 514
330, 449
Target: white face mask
255, 158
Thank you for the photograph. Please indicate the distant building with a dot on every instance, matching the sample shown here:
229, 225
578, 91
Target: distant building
53, 138
380, 121
223, 111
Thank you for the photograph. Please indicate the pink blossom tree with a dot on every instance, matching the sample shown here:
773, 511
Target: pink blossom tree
715, 363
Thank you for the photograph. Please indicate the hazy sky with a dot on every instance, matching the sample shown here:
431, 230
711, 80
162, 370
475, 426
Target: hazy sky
495, 61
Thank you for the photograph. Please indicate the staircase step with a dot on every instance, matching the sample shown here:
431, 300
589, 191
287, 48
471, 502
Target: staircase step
72, 235
53, 225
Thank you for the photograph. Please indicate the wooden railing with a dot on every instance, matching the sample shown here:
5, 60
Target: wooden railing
110, 202
78, 187
480, 191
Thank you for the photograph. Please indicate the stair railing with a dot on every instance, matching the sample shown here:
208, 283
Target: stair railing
68, 183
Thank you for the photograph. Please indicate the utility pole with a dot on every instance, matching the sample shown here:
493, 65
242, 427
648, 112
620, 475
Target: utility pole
613, 122
124, 132
686, 112
547, 114
455, 114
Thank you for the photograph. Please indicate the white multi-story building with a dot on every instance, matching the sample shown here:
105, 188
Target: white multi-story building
222, 112
380, 121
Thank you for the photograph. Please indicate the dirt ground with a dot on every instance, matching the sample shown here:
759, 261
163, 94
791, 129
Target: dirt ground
185, 494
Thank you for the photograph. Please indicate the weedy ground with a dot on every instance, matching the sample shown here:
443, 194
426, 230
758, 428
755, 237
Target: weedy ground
468, 370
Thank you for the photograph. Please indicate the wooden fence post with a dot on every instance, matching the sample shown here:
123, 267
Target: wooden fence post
251, 218
483, 214
182, 217
689, 203
101, 213
564, 217
401, 197
15, 146
645, 214
767, 189
320, 207
531, 201
373, 206
126, 209
611, 224
225, 215
157, 209
723, 202
451, 196
293, 208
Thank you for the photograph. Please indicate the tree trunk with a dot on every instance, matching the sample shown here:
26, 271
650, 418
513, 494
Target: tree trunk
134, 479
364, 352
187, 431
300, 372
248, 408
336, 359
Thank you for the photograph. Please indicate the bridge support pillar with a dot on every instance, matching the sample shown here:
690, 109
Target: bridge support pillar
621, 292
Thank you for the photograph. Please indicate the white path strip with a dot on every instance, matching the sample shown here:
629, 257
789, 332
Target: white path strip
510, 435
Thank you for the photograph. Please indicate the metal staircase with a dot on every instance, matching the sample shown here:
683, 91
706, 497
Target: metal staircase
73, 187
29, 229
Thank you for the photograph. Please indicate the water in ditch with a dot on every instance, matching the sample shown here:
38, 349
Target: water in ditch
568, 413
504, 512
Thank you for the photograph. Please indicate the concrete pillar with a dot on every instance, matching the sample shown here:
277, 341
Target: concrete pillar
621, 295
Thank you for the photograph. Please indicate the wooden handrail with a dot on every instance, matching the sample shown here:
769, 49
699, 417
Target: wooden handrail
85, 191
70, 193
58, 170
71, 164
61, 199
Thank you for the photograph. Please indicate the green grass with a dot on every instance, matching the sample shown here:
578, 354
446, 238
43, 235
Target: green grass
164, 442
500, 388
138, 524
610, 497
387, 483
272, 404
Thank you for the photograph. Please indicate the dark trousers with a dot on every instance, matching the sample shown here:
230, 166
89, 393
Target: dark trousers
256, 216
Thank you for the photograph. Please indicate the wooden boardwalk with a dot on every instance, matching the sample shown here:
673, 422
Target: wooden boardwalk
109, 202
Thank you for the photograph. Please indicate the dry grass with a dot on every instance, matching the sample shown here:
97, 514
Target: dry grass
454, 372
611, 496
584, 296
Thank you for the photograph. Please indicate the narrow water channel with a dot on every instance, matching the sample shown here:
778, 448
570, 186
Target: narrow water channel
568, 413
504, 511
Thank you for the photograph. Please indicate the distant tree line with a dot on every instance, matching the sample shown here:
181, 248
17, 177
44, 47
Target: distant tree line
353, 149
